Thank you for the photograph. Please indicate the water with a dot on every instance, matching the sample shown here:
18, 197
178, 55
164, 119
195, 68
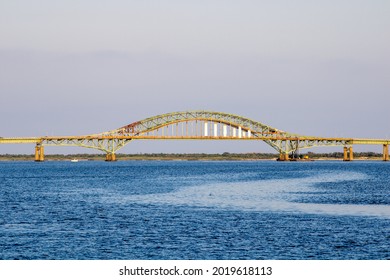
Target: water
194, 210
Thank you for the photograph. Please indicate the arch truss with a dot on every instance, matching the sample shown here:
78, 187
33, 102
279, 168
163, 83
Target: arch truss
192, 125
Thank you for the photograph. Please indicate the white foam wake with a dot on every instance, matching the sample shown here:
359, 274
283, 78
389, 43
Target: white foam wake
265, 195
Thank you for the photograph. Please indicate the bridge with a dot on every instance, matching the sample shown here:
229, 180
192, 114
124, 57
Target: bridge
197, 125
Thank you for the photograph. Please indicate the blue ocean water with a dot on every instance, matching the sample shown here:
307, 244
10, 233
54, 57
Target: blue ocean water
195, 210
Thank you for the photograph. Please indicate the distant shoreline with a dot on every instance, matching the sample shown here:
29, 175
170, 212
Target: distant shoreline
188, 157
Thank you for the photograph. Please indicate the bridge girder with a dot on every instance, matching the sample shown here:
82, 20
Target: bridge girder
292, 145
108, 145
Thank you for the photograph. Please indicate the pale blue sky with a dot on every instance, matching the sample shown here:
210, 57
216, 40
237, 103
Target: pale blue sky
309, 67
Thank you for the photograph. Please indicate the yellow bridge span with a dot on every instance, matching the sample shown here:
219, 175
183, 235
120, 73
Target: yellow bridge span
196, 125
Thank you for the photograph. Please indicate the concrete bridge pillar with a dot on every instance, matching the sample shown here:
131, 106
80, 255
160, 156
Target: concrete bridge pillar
110, 157
348, 154
345, 157
283, 157
39, 153
385, 152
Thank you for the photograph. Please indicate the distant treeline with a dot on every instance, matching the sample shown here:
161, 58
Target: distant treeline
195, 156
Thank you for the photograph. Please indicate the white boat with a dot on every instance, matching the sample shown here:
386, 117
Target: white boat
74, 160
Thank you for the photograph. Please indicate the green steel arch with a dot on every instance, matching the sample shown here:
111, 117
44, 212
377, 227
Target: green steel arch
282, 141
159, 121
257, 129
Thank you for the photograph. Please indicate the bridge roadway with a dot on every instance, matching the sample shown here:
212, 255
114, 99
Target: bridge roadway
197, 125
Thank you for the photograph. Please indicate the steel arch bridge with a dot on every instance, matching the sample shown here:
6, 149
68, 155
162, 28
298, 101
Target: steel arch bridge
196, 125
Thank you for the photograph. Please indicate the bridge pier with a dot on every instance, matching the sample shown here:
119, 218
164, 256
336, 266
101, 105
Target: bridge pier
110, 157
348, 154
385, 152
39, 153
283, 157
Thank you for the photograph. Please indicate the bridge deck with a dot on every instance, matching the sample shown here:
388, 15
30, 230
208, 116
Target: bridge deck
356, 141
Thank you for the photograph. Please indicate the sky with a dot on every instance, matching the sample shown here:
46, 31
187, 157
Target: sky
81, 66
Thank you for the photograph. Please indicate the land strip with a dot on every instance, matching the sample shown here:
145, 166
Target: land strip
198, 156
